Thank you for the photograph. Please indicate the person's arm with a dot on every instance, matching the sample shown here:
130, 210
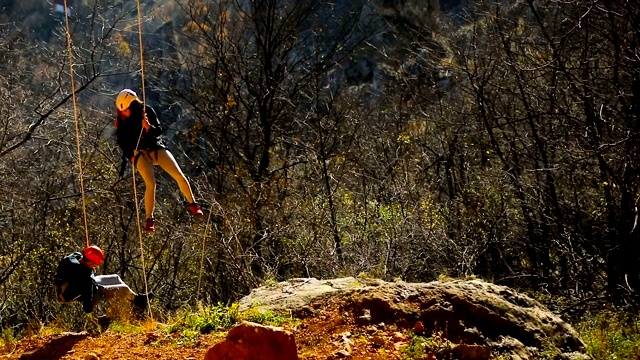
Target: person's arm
152, 117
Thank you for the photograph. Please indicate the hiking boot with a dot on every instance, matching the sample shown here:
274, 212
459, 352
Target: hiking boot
150, 226
195, 209
104, 322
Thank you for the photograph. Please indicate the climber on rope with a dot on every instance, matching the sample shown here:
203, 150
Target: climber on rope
75, 280
138, 132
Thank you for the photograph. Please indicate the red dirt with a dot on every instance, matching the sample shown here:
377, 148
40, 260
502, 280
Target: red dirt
329, 334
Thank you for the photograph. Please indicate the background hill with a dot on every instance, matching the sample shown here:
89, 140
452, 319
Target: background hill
325, 139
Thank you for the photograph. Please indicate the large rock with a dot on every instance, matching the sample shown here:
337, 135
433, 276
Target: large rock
250, 341
299, 292
471, 312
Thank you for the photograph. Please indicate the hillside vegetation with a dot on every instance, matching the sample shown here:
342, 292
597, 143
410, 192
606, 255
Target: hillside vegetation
391, 139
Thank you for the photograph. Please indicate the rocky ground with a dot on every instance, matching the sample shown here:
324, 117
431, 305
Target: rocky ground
357, 319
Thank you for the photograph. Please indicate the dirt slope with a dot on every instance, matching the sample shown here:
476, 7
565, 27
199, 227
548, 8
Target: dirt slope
319, 337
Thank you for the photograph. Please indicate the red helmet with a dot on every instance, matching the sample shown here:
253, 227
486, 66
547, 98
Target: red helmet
94, 254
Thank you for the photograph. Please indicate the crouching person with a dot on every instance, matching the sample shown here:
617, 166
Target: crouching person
76, 281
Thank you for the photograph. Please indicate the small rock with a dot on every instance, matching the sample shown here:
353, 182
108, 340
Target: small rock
303, 312
347, 342
574, 356
371, 329
342, 353
473, 336
377, 340
366, 316
91, 356
399, 337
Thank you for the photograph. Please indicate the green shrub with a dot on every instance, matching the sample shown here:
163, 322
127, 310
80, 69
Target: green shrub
265, 317
187, 338
421, 346
7, 339
610, 335
124, 327
205, 319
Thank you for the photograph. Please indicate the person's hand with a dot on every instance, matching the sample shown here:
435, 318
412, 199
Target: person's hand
145, 123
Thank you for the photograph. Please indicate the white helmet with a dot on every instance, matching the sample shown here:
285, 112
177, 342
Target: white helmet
124, 99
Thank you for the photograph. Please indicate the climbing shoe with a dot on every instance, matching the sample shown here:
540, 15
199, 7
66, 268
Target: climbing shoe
150, 226
195, 209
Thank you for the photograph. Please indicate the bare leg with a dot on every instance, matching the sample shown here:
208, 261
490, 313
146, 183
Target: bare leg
168, 163
145, 167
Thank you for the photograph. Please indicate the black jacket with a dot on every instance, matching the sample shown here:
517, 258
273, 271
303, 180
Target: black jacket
128, 131
79, 280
